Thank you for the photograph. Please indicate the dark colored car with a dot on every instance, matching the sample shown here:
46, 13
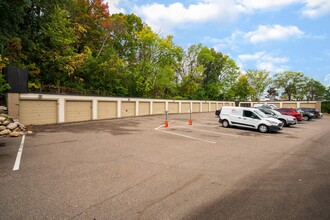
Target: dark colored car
315, 111
306, 114
291, 112
217, 112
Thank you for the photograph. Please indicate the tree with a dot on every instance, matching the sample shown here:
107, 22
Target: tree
259, 80
157, 59
327, 94
242, 89
290, 82
55, 50
314, 90
272, 93
92, 21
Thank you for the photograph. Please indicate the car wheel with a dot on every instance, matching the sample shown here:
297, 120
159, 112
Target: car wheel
284, 122
263, 128
306, 118
225, 123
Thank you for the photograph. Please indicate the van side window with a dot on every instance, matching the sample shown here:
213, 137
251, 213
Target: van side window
247, 113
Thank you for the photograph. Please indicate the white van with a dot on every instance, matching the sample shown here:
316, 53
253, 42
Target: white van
248, 118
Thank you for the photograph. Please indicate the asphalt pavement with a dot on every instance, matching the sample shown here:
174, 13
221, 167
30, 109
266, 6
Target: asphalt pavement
134, 168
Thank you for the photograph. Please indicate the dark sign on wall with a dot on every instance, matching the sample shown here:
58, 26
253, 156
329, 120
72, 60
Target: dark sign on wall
17, 78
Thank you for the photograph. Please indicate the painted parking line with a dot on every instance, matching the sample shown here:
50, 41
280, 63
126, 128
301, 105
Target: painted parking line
182, 135
19, 155
213, 132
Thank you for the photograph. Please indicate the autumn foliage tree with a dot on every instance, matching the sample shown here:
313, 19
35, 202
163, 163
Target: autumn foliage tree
79, 46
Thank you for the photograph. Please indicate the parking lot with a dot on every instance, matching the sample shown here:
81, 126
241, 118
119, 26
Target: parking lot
135, 168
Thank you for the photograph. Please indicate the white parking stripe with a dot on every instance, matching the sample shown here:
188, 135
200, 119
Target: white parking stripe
213, 132
181, 135
186, 136
19, 155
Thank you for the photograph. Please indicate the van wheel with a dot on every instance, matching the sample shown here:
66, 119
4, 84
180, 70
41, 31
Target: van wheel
306, 118
263, 128
225, 123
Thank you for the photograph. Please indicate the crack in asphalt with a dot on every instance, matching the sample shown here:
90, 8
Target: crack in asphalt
189, 182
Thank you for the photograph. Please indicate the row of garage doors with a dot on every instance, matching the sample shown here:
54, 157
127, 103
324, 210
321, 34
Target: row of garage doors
284, 104
46, 112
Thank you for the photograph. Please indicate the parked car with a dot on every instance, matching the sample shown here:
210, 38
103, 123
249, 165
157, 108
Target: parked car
315, 111
306, 114
287, 120
217, 112
248, 118
267, 106
291, 112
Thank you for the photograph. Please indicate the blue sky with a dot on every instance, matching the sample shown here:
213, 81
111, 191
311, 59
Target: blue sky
276, 35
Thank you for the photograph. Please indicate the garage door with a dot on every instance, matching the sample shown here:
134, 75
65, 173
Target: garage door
78, 111
106, 110
205, 107
173, 107
289, 105
158, 108
127, 109
196, 107
213, 106
144, 108
185, 107
37, 112
308, 105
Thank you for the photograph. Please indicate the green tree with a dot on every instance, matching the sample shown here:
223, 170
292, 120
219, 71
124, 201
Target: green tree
228, 79
327, 94
158, 59
290, 82
259, 80
56, 53
242, 89
314, 90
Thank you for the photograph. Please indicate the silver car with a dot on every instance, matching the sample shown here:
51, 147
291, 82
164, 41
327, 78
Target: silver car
285, 119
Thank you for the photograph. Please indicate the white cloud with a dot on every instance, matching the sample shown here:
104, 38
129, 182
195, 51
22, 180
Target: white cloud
264, 4
114, 6
168, 16
316, 8
275, 32
251, 57
265, 61
262, 34
231, 42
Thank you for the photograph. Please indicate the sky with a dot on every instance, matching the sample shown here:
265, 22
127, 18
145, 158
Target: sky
272, 35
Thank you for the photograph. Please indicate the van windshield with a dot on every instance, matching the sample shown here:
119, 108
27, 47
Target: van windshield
260, 113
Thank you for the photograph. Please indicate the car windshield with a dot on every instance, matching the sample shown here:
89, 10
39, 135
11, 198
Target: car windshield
276, 113
260, 113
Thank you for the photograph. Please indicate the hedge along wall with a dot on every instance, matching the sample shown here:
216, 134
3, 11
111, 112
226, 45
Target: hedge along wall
325, 107
37, 109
